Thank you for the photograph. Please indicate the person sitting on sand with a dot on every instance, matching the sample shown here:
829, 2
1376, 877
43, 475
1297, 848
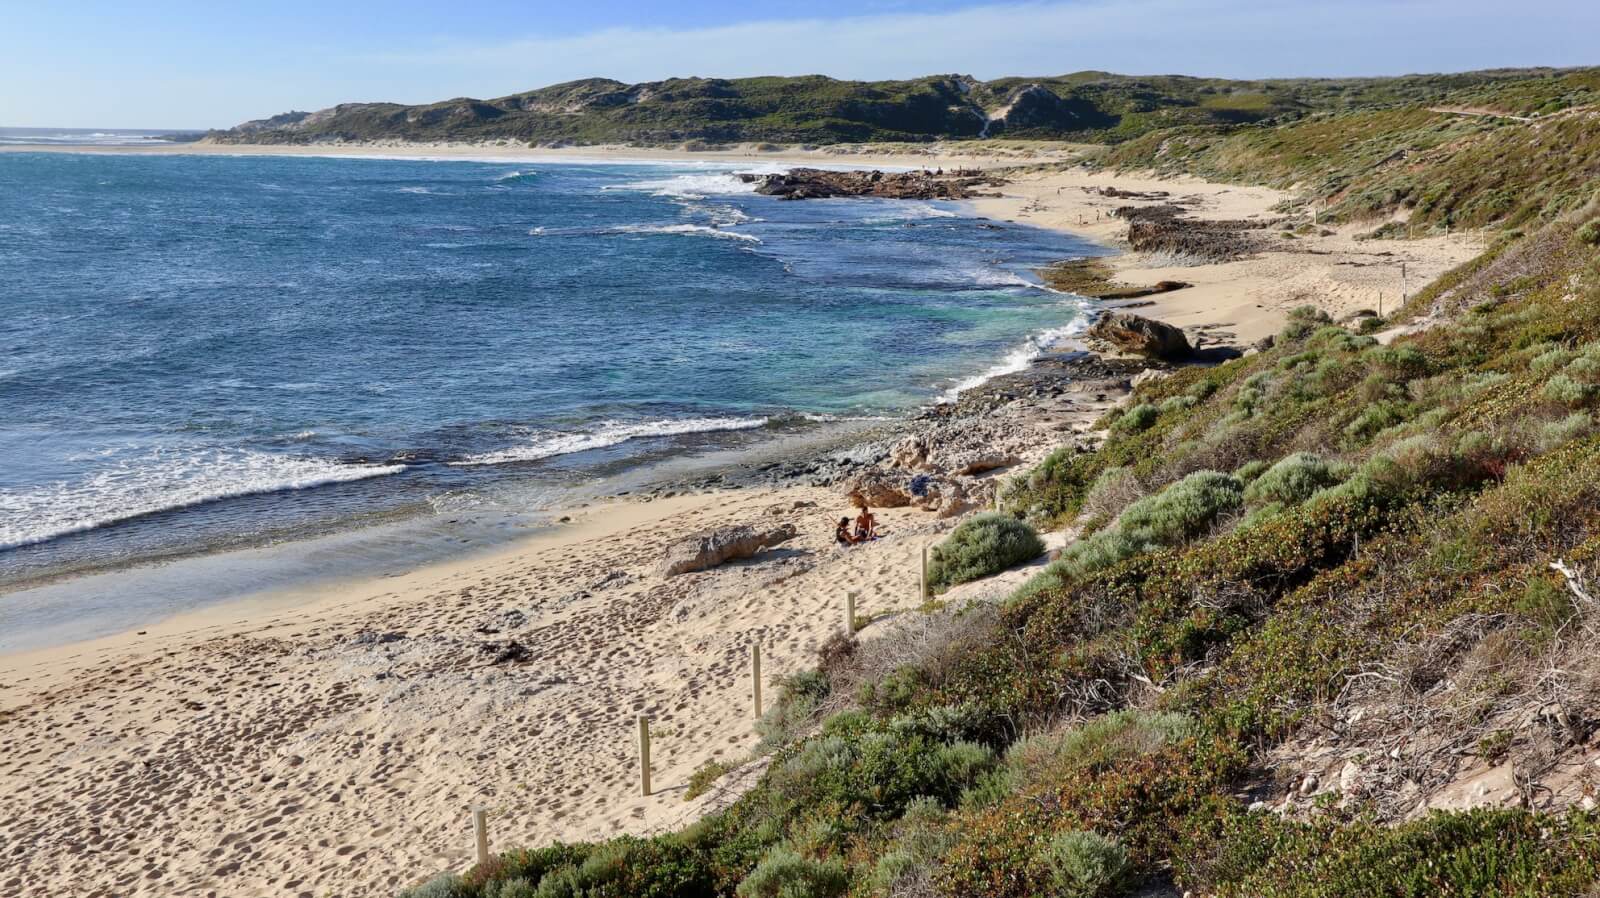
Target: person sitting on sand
866, 525
841, 534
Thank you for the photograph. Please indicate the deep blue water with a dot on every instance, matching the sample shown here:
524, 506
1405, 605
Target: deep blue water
205, 349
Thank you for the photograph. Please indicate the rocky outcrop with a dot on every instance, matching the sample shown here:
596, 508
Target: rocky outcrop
947, 495
921, 452
1167, 229
707, 550
1136, 335
814, 183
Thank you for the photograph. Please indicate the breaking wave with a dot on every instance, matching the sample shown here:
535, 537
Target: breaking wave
609, 433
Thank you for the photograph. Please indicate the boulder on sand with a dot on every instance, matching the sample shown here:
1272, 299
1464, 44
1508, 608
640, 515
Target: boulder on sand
878, 489
946, 495
713, 547
1141, 336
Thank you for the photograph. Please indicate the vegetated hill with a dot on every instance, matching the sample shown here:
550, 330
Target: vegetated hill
1503, 153
1090, 106
1324, 596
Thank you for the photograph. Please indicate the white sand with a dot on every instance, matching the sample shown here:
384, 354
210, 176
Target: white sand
288, 747
1242, 301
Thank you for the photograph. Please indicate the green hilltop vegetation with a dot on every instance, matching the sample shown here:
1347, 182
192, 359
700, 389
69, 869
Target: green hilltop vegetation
1088, 106
1444, 161
1337, 542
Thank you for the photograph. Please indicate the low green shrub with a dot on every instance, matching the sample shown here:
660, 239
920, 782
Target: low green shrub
704, 776
799, 697
1177, 514
920, 839
1110, 493
1294, 479
1183, 510
1470, 854
1250, 470
981, 546
1137, 418
1551, 360
1303, 321
1566, 391
785, 873
1177, 403
1084, 864
1555, 434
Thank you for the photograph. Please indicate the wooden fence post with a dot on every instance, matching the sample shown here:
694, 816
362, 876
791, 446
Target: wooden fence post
480, 832
755, 678
644, 755
849, 614
922, 590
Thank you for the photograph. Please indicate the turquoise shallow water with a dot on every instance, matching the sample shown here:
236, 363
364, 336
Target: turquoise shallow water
205, 350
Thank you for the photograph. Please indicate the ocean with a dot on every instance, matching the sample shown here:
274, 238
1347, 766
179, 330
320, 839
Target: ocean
209, 353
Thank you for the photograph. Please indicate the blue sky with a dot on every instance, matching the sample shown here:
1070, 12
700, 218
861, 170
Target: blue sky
188, 64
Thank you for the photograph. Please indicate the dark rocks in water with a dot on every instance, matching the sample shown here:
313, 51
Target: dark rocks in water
814, 183
707, 550
1138, 335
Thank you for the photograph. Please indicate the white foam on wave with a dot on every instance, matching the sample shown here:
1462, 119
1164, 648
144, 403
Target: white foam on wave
697, 186
608, 433
1019, 358
687, 230
902, 210
514, 175
162, 480
721, 215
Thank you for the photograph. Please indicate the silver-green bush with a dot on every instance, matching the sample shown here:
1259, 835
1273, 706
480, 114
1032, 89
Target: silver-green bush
981, 546
1294, 479
1083, 864
785, 873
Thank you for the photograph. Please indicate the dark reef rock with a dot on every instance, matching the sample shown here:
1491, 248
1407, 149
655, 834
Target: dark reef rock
814, 183
1165, 229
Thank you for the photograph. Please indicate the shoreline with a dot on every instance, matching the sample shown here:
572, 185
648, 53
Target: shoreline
796, 452
838, 155
334, 741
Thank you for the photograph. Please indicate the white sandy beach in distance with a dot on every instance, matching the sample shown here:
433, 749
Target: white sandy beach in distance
332, 743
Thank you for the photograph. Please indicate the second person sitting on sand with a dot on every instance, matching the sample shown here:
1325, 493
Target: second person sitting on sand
841, 534
866, 525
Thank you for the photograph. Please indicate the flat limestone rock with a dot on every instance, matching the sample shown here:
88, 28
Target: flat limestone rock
707, 550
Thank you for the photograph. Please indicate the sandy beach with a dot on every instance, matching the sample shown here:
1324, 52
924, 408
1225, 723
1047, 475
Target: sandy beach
332, 742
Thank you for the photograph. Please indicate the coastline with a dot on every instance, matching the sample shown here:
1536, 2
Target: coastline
319, 753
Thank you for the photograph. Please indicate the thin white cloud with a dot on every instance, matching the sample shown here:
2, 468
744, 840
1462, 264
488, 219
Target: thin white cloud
1201, 37
1223, 38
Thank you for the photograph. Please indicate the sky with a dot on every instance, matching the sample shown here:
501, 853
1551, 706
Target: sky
193, 64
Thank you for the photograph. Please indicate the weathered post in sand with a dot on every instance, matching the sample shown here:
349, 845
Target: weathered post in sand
755, 678
480, 832
849, 614
644, 755
922, 589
